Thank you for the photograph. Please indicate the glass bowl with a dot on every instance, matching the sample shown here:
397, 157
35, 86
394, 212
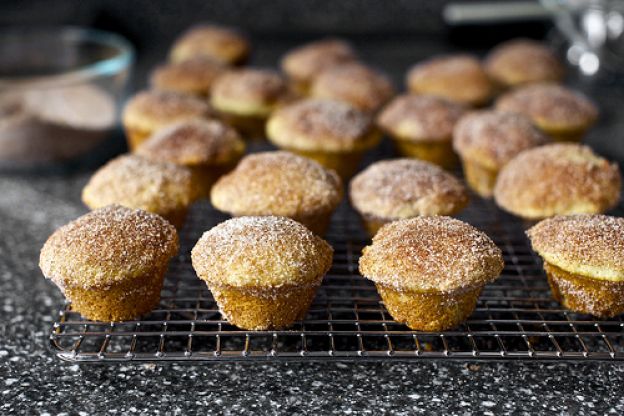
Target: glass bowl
61, 89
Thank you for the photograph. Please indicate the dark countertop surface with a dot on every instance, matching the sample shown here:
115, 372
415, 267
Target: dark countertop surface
34, 381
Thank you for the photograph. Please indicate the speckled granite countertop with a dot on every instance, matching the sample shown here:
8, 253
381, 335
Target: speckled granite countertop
34, 381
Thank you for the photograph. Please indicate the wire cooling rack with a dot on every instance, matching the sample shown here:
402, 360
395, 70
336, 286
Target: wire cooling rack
515, 317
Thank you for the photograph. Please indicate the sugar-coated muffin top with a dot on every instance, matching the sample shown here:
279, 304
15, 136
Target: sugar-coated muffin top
194, 142
557, 179
193, 76
590, 245
106, 246
221, 43
261, 252
277, 183
405, 188
439, 254
136, 182
321, 124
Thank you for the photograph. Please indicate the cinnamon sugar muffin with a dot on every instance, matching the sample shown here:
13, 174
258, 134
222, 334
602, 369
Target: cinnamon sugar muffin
422, 127
563, 114
262, 271
557, 179
246, 97
135, 182
207, 148
429, 271
280, 183
333, 133
111, 262
220, 43
149, 111
194, 76
306, 62
523, 61
356, 84
584, 261
459, 78
487, 140
391, 190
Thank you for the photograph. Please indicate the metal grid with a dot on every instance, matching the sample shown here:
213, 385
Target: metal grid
515, 317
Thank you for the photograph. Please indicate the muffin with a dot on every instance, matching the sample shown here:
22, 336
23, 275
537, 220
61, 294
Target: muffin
262, 271
333, 133
149, 111
391, 190
135, 182
111, 262
356, 84
245, 98
194, 76
422, 127
223, 44
429, 271
282, 184
584, 261
459, 78
306, 62
557, 179
207, 148
563, 114
523, 61
487, 140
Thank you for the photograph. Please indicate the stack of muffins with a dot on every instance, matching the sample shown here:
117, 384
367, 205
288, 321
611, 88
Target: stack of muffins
324, 110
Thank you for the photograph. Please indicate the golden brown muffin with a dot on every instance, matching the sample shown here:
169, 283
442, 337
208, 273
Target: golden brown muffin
262, 271
487, 140
422, 127
283, 184
459, 78
207, 148
391, 190
246, 97
584, 261
354, 83
135, 182
306, 62
429, 271
557, 179
223, 44
149, 111
523, 61
563, 114
111, 262
194, 76
333, 133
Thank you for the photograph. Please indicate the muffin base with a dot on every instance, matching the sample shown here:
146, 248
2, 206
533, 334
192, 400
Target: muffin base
345, 164
440, 153
479, 178
317, 223
122, 301
261, 309
250, 127
601, 298
563, 135
429, 311
205, 176
135, 137
373, 223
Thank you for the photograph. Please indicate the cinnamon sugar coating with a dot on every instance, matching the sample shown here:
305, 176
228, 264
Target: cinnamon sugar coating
325, 125
277, 183
557, 179
192, 76
589, 245
354, 83
439, 254
459, 78
107, 246
493, 138
420, 118
523, 61
261, 253
221, 43
404, 188
194, 142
